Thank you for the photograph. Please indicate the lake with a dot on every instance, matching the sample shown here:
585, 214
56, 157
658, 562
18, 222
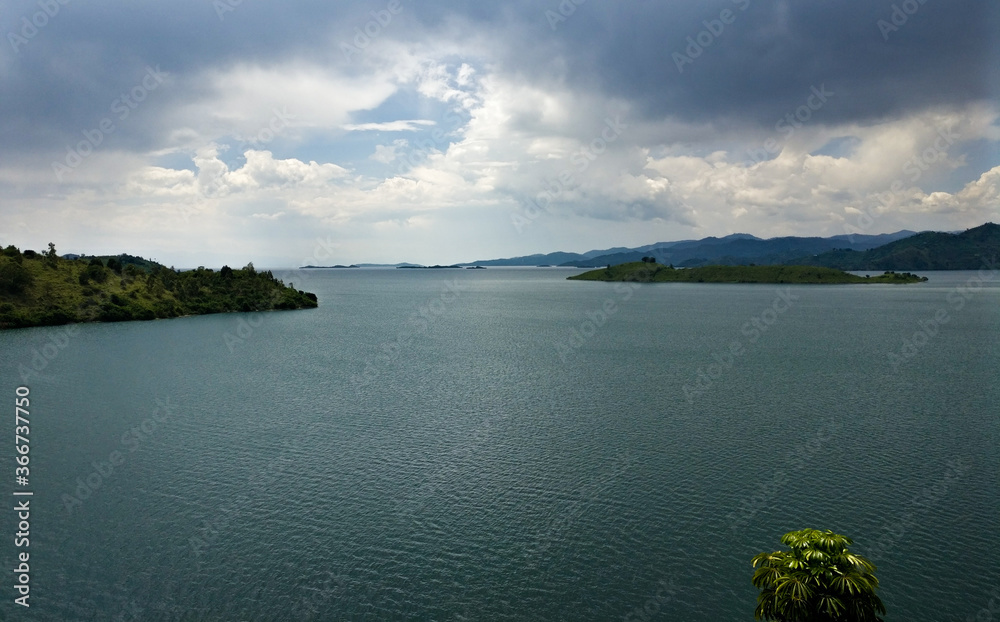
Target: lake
504, 444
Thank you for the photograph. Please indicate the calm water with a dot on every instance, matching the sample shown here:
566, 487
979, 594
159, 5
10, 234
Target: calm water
404, 452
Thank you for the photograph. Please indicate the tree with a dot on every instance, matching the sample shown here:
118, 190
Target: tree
95, 271
51, 256
818, 580
14, 278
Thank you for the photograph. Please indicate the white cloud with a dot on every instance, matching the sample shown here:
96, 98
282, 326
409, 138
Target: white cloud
389, 126
268, 216
387, 153
504, 141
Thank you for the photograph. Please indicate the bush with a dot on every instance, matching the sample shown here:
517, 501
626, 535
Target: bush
14, 278
97, 272
114, 313
56, 317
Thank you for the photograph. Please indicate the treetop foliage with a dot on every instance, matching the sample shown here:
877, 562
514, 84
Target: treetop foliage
818, 580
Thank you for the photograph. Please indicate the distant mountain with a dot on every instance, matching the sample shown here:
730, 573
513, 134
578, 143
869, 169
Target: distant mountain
584, 259
735, 249
784, 250
550, 259
968, 250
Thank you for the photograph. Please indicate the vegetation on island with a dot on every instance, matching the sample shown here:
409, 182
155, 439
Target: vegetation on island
818, 580
44, 289
648, 271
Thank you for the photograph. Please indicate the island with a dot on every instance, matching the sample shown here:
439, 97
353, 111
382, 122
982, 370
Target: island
652, 272
44, 289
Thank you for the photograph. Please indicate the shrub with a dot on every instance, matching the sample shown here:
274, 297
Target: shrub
14, 278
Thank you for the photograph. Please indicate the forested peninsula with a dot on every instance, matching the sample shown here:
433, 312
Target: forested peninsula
648, 271
44, 289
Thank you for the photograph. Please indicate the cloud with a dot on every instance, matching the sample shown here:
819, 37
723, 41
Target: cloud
264, 129
389, 126
268, 216
387, 153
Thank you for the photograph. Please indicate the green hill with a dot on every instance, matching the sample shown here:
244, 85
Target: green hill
43, 289
970, 250
642, 272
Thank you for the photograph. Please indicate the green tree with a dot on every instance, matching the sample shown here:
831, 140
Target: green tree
14, 278
818, 580
96, 272
51, 257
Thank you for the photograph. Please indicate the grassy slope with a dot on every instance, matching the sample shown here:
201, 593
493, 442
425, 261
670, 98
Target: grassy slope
969, 250
655, 273
57, 295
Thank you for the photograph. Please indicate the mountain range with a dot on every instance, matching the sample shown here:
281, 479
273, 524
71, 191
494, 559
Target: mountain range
902, 250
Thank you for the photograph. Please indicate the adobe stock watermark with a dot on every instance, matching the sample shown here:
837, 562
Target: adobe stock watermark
991, 611
371, 30
416, 325
224, 7
753, 329
450, 469
585, 496
919, 505
131, 441
278, 122
913, 169
789, 123
581, 160
794, 460
562, 12
705, 38
900, 14
208, 534
31, 26
425, 147
315, 603
122, 107
58, 340
596, 319
930, 328
666, 591
247, 323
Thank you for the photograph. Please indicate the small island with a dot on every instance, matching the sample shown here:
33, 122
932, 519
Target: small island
648, 271
44, 289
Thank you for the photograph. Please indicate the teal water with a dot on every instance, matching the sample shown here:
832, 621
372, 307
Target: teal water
485, 445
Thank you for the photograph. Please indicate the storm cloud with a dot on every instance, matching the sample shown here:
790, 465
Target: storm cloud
213, 131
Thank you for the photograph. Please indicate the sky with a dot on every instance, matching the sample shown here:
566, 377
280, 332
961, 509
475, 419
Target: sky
211, 132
